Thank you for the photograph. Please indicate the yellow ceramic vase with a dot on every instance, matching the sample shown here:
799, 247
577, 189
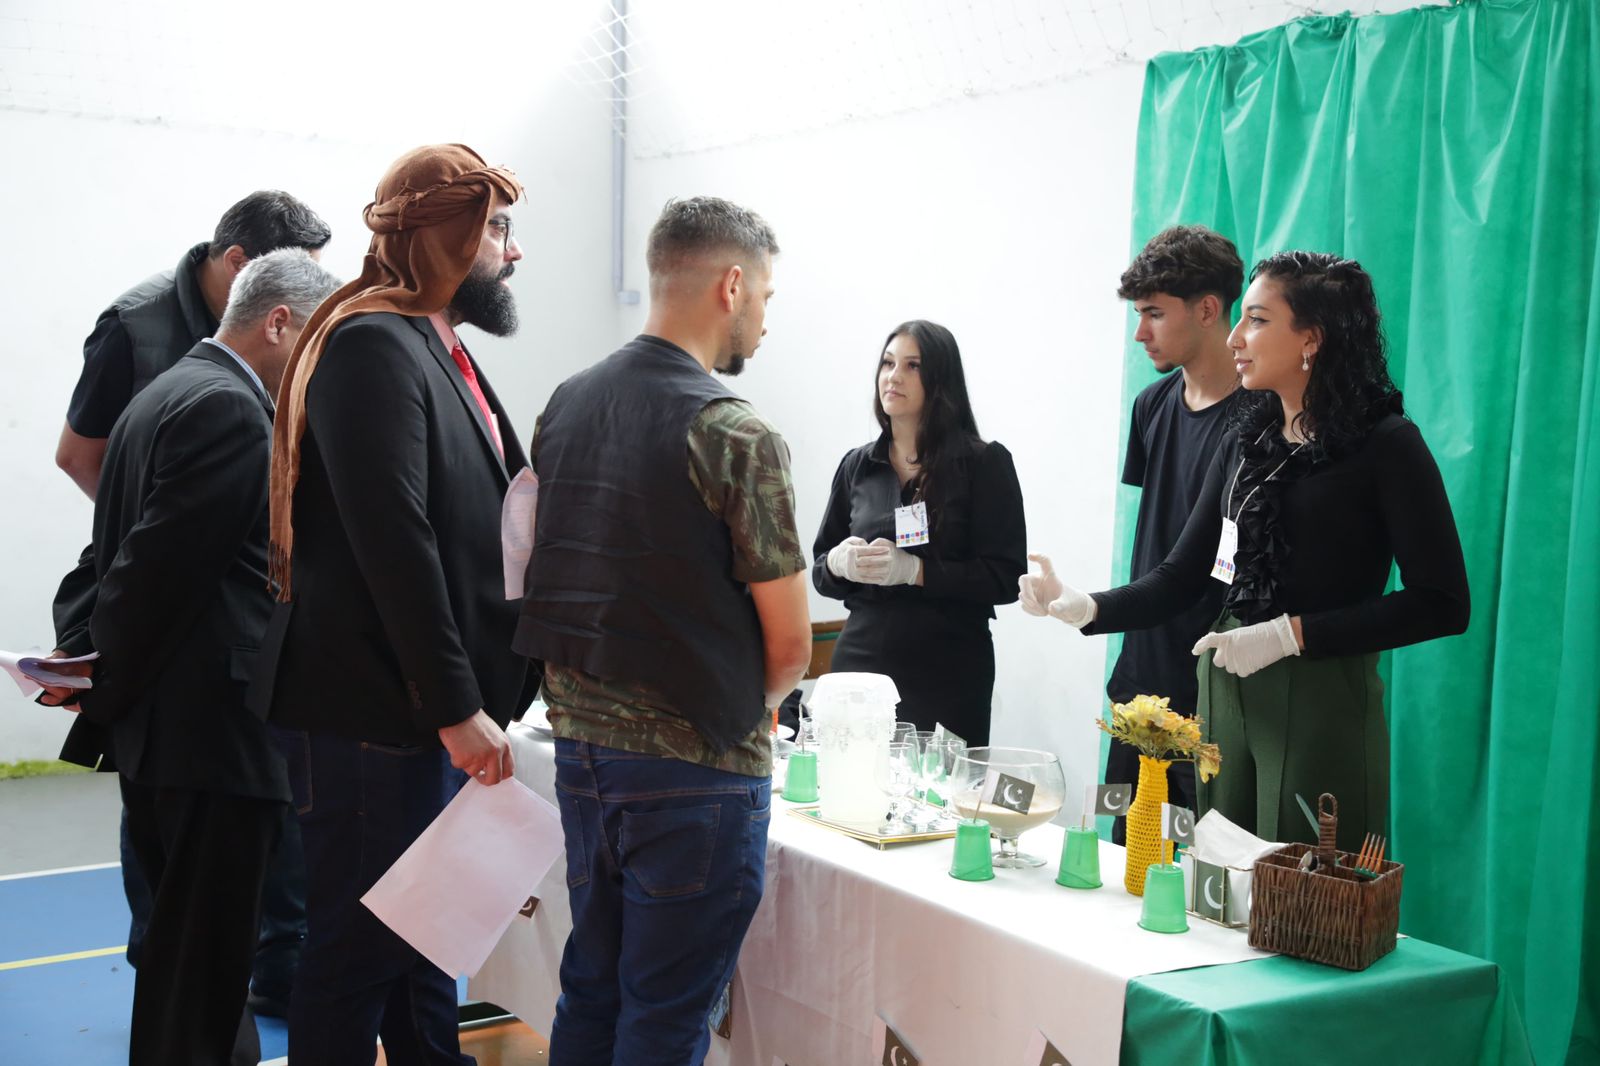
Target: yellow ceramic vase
1145, 846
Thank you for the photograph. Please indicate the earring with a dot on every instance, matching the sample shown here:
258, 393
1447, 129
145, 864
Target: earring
1305, 360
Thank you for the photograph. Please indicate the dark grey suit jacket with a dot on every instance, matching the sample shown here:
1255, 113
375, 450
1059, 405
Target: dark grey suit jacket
181, 601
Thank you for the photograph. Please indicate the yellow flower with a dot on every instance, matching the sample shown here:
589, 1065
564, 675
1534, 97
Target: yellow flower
1144, 710
1153, 727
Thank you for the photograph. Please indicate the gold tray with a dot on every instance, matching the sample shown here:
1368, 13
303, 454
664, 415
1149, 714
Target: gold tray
813, 813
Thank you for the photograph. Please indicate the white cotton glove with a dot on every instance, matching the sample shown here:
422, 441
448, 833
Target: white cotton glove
898, 566
1247, 649
1037, 590
852, 559
1075, 608
1045, 593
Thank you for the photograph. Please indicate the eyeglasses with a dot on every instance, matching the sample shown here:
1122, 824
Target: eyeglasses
502, 226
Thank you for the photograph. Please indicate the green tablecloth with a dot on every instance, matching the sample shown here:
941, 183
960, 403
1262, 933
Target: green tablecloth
1419, 1005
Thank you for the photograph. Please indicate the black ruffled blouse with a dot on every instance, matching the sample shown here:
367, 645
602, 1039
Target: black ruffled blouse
1318, 537
1268, 463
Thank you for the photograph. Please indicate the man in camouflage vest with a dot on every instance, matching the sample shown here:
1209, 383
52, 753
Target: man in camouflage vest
666, 597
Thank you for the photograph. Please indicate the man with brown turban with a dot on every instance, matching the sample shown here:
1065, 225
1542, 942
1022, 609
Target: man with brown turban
388, 661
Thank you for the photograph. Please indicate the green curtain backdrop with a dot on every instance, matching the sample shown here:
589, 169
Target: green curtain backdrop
1454, 151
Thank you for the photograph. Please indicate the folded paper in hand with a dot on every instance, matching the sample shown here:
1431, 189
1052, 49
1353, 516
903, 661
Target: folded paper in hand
33, 672
516, 529
454, 892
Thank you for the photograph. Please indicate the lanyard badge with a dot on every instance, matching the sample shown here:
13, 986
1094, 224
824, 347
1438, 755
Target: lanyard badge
1228, 543
1227, 546
911, 525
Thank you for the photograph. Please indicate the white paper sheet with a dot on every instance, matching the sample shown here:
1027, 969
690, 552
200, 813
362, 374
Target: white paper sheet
457, 888
33, 672
516, 529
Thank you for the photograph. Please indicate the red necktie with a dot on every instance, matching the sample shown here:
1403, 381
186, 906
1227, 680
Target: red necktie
459, 354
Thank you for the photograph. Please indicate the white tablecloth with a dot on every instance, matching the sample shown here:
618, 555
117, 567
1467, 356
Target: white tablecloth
965, 972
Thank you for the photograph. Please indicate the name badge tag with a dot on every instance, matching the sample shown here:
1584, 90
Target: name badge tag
911, 525
1227, 545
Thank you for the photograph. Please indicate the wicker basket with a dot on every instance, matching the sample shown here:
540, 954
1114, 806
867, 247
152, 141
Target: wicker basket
1330, 914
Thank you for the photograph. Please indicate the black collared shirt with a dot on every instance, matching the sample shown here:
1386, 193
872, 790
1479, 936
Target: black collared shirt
978, 545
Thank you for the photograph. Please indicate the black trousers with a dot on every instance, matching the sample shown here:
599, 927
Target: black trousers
942, 662
204, 856
283, 911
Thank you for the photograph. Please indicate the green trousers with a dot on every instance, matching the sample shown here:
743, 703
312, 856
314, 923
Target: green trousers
1301, 726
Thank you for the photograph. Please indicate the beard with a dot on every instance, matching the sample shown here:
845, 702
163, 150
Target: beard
482, 301
732, 363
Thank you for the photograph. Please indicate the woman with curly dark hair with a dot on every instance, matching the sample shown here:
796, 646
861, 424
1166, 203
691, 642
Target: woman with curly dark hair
922, 537
1320, 489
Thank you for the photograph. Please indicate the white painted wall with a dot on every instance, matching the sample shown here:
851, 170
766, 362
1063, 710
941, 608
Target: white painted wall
1006, 218
98, 204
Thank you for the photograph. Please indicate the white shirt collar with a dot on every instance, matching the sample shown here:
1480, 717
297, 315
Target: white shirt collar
247, 367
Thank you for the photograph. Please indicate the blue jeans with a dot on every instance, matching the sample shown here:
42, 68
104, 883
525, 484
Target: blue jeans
361, 805
675, 855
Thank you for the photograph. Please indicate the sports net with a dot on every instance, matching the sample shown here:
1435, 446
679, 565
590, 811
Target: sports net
681, 75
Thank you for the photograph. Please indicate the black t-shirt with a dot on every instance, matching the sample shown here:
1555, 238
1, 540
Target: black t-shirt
105, 384
1170, 448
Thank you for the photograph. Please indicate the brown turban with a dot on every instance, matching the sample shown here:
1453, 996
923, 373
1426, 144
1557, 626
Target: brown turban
427, 222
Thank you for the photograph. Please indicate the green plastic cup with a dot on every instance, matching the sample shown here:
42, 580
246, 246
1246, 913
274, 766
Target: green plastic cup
800, 784
1080, 859
1163, 900
971, 860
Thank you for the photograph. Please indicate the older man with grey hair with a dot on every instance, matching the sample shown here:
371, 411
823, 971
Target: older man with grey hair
180, 553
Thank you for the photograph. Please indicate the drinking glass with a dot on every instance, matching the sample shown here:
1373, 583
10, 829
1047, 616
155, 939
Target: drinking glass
895, 774
938, 762
805, 730
1013, 789
920, 739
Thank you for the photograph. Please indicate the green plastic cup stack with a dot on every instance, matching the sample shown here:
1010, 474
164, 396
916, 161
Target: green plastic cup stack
1080, 859
971, 860
1163, 900
800, 784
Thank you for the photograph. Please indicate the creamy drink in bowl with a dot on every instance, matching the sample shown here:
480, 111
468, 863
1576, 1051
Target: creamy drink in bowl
1007, 824
1013, 789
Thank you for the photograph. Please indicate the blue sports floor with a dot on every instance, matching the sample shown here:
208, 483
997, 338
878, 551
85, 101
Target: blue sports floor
65, 988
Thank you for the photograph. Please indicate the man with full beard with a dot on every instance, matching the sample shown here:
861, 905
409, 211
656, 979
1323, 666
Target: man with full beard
388, 660
667, 599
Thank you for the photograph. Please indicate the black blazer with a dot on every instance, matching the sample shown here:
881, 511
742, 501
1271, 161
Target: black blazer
180, 550
399, 625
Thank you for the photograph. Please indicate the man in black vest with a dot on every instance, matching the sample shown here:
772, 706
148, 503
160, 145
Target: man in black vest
666, 597
148, 328
180, 550
145, 331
